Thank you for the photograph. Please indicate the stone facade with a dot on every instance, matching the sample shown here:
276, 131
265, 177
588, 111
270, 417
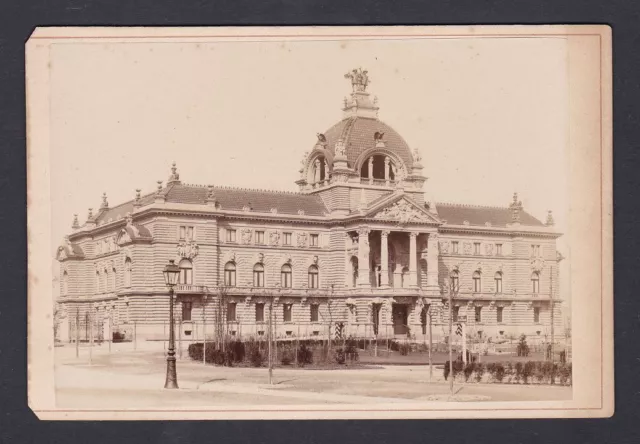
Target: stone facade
357, 244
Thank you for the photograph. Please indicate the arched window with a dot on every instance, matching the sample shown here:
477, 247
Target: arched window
455, 281
127, 272
285, 276
319, 170
498, 279
65, 282
354, 271
535, 282
378, 167
313, 276
258, 275
230, 274
186, 272
477, 283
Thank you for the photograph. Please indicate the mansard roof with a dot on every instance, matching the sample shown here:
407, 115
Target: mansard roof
458, 214
234, 199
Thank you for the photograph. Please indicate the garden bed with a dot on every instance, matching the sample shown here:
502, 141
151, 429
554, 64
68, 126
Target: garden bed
529, 372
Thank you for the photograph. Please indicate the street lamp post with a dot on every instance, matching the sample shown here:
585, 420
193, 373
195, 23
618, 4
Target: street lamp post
171, 273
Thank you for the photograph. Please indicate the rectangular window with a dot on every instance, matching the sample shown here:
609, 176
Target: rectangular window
286, 238
231, 235
314, 240
498, 249
499, 314
456, 310
286, 312
186, 311
259, 312
454, 247
186, 232
314, 312
536, 314
259, 237
478, 314
231, 312
535, 250
476, 248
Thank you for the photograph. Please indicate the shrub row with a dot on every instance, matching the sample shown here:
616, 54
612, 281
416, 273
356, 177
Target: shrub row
255, 353
541, 372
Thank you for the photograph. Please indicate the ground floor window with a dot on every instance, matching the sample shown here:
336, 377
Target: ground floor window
536, 314
478, 314
286, 312
499, 314
456, 310
375, 313
186, 310
231, 312
259, 312
314, 312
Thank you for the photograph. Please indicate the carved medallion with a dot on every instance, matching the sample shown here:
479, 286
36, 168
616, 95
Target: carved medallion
188, 250
246, 234
537, 264
466, 247
302, 239
488, 249
444, 247
274, 238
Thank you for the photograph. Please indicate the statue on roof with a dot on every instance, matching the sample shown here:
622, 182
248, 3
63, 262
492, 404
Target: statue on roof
378, 136
359, 79
321, 138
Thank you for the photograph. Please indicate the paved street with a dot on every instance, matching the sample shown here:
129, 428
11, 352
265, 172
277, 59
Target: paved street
128, 378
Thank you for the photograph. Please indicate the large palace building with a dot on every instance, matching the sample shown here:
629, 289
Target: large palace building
357, 245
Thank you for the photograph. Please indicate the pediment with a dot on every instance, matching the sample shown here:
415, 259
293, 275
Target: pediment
403, 211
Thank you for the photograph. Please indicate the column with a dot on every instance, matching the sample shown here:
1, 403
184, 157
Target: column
371, 169
326, 172
316, 172
413, 256
363, 257
384, 259
432, 264
387, 162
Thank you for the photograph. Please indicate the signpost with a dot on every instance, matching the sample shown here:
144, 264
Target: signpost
462, 331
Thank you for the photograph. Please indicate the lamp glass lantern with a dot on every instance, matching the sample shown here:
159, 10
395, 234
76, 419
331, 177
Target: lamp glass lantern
171, 273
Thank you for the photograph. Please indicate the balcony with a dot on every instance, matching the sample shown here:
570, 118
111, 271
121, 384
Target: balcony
377, 182
191, 289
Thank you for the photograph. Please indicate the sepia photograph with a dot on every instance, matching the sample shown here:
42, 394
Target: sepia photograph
288, 223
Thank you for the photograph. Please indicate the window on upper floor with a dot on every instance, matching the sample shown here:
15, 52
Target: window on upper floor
259, 237
498, 280
186, 232
230, 274
313, 276
231, 235
535, 282
455, 247
314, 240
535, 250
379, 167
127, 272
477, 282
499, 314
286, 238
186, 272
258, 275
476, 248
498, 249
286, 276
65, 283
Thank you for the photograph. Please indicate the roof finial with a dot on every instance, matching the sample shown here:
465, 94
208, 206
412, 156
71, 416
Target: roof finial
516, 208
129, 219
359, 79
550, 222
159, 186
174, 177
211, 196
75, 224
90, 215
105, 204
136, 202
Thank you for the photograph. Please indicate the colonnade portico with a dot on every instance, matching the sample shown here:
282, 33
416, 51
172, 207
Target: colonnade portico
382, 281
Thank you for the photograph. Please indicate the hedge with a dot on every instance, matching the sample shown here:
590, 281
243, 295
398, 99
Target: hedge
540, 372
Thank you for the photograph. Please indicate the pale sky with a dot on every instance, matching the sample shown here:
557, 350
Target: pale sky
489, 116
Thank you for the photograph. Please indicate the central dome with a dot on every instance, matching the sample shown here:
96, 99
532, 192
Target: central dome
358, 135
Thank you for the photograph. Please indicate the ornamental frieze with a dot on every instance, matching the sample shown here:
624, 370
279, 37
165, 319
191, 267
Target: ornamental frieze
301, 239
274, 238
245, 235
444, 247
466, 247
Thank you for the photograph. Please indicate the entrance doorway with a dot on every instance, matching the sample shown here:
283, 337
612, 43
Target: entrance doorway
400, 314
